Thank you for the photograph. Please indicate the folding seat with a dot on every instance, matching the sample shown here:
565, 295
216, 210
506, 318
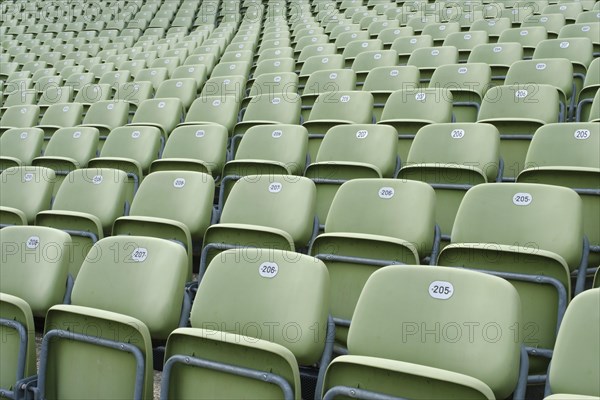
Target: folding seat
388, 35
419, 22
452, 158
409, 110
7, 68
440, 30
79, 81
240, 68
405, 45
266, 109
93, 93
589, 30
595, 109
33, 66
498, 56
376, 27
184, 89
173, 205
164, 114
34, 267
518, 111
154, 75
382, 81
570, 10
366, 61
237, 55
285, 84
372, 223
493, 26
220, 109
225, 358
59, 115
355, 47
528, 37
390, 341
536, 253
337, 108
565, 155
25, 192
103, 317
590, 88
20, 116
574, 362
116, 78
351, 152
19, 98
50, 71
342, 28
324, 81
85, 206
181, 53
264, 211
551, 71
427, 59
587, 16
316, 63
468, 84
465, 42
552, 22
18, 348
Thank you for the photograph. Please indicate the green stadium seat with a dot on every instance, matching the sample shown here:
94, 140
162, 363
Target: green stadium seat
405, 45
21, 116
217, 109
373, 223
19, 146
60, 115
465, 42
399, 350
552, 22
590, 88
229, 351
382, 81
494, 231
25, 192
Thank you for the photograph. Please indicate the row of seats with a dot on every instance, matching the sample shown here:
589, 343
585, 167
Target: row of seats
118, 311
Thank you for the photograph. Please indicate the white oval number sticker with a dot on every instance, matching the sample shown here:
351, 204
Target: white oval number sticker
522, 199
33, 242
441, 290
139, 255
386, 192
179, 183
28, 177
268, 269
277, 134
96, 180
582, 134
275, 187
457, 133
363, 133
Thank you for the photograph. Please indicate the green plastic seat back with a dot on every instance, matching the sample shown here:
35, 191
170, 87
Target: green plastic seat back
70, 373
474, 77
575, 367
355, 47
406, 44
535, 102
430, 104
589, 30
330, 81
237, 55
221, 109
183, 89
239, 68
278, 82
552, 71
35, 265
396, 208
15, 309
286, 144
78, 144
592, 78
183, 196
63, 115
320, 50
466, 144
347, 106
20, 116
578, 50
141, 277
155, 75
595, 109
141, 145
343, 39
269, 297
522, 209
275, 53
528, 37
206, 143
28, 189
197, 72
565, 145
93, 93
368, 60
79, 80
21, 144
440, 30
282, 108
224, 86
432, 57
277, 201
552, 22
496, 53
402, 315
388, 35
466, 40
19, 98
97, 191
164, 113
279, 65
109, 113
569, 10
374, 145
391, 78
170, 63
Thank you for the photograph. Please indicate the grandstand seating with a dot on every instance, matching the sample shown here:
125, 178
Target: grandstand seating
222, 124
